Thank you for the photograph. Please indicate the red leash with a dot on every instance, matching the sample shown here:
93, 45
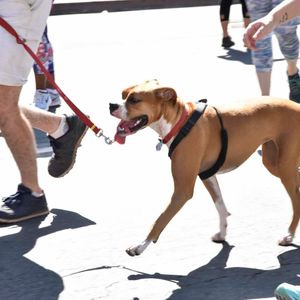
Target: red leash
77, 111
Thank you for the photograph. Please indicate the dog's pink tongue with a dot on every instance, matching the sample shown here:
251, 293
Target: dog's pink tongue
120, 135
120, 139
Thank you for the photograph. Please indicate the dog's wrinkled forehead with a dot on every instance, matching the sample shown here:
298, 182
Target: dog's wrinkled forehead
144, 87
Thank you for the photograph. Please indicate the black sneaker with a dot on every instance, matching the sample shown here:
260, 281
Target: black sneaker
22, 206
227, 42
294, 83
65, 147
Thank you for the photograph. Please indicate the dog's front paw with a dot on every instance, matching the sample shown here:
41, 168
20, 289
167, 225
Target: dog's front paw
139, 249
218, 238
287, 240
133, 251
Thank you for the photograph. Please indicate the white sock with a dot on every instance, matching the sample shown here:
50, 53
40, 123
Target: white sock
62, 128
37, 195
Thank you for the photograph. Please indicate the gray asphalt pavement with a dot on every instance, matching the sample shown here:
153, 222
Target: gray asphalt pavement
114, 193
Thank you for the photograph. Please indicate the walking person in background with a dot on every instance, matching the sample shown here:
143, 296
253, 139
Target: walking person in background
29, 18
285, 11
45, 97
262, 57
225, 6
257, 30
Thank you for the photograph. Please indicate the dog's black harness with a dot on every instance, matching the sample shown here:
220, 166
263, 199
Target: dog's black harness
197, 113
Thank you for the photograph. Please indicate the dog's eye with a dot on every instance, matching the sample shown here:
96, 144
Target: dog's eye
133, 100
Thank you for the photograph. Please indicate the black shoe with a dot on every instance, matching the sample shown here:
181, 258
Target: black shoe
227, 42
294, 84
65, 147
22, 206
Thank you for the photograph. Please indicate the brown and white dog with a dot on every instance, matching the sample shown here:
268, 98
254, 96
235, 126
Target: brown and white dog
271, 122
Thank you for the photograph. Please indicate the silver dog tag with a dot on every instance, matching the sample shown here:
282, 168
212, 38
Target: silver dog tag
159, 145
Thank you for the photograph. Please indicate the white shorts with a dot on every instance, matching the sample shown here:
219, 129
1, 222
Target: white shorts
28, 18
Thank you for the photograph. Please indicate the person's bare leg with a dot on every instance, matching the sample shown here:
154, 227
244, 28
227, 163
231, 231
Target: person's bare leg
19, 137
40, 81
264, 80
292, 68
41, 119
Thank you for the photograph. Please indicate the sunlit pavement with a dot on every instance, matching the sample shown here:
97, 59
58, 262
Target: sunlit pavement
114, 193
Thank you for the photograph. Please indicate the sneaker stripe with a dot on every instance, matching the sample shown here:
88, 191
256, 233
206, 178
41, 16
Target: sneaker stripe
27, 217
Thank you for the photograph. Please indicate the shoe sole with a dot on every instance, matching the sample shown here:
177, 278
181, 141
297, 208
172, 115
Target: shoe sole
39, 214
75, 153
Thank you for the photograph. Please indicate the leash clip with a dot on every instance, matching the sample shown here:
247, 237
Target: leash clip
107, 139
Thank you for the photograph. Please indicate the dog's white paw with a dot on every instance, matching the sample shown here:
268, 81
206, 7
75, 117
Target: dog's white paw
218, 238
139, 249
287, 240
133, 251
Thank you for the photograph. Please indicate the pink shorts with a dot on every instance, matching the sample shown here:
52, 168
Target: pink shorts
28, 18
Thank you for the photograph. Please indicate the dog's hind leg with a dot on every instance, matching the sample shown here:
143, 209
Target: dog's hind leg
291, 183
284, 164
290, 179
213, 188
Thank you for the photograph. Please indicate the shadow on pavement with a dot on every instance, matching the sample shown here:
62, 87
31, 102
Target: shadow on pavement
215, 281
238, 55
21, 278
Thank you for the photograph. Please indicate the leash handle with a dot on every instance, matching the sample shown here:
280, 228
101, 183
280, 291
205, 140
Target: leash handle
76, 110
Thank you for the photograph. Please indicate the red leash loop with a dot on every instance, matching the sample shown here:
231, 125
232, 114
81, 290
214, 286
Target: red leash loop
77, 111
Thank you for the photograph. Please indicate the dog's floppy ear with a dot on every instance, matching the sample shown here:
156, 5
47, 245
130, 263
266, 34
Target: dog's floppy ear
127, 91
165, 93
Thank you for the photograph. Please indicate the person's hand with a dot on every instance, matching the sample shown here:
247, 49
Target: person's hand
256, 31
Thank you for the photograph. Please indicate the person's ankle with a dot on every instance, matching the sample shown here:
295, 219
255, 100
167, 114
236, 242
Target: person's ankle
62, 129
35, 189
292, 72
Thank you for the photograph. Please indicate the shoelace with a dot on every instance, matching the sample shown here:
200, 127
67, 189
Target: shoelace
13, 199
294, 84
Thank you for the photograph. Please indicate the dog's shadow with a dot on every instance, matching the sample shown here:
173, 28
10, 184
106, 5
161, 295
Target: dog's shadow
215, 281
22, 278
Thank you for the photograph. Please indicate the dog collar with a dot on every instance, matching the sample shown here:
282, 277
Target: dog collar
174, 131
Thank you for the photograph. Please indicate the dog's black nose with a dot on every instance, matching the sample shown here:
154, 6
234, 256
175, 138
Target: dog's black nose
113, 107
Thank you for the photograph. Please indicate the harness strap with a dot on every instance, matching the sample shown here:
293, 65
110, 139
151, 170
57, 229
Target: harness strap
197, 113
222, 155
76, 110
